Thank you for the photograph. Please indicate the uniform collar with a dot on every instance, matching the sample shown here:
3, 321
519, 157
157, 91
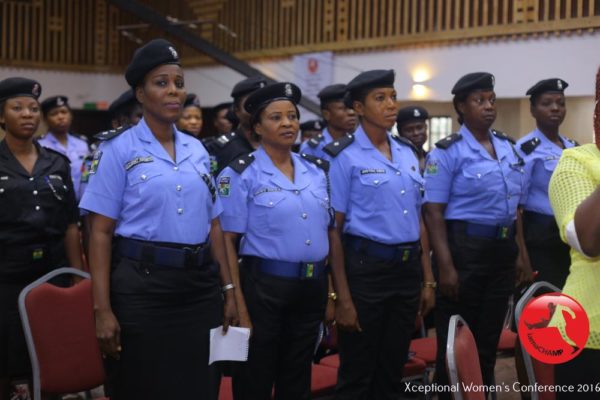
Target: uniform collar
301, 178
182, 143
365, 143
42, 162
550, 145
501, 150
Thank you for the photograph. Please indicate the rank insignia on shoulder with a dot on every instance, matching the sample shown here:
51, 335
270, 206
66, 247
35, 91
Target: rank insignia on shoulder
224, 140
110, 134
319, 162
240, 164
334, 148
314, 142
448, 141
529, 146
95, 162
502, 135
224, 186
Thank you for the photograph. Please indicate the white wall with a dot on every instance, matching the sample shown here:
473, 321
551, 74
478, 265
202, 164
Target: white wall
517, 64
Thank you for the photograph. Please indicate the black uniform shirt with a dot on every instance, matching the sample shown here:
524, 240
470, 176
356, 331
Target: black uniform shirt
230, 147
35, 209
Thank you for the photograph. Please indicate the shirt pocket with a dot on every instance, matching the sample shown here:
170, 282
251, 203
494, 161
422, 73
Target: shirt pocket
374, 191
269, 212
145, 183
477, 177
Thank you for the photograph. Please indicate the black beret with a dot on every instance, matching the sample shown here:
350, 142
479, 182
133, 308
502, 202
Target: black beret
15, 87
312, 125
372, 79
547, 85
412, 113
126, 99
276, 91
248, 85
332, 93
54, 102
191, 100
222, 106
474, 81
153, 54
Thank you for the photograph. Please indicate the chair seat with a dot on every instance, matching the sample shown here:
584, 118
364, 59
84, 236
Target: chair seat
425, 349
226, 390
507, 340
323, 380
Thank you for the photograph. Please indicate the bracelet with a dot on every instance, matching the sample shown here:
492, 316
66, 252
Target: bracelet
227, 287
332, 296
432, 284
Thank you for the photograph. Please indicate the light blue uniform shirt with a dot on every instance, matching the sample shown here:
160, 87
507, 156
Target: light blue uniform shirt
539, 166
475, 187
76, 151
151, 196
279, 219
317, 151
381, 198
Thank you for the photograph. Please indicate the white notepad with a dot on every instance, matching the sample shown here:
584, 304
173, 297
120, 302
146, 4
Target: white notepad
232, 346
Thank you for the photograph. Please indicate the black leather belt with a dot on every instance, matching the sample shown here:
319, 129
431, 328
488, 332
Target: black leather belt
179, 256
500, 232
34, 252
403, 252
287, 269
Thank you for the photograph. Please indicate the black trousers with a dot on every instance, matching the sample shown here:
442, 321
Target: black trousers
548, 254
386, 296
486, 274
583, 373
165, 315
285, 315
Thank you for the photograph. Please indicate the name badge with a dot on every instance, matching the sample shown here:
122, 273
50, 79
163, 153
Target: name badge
138, 160
267, 190
372, 171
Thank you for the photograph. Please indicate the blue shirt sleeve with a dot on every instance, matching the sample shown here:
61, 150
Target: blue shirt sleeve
104, 193
438, 177
340, 176
233, 196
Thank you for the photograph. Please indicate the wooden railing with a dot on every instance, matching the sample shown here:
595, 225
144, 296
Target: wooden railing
83, 34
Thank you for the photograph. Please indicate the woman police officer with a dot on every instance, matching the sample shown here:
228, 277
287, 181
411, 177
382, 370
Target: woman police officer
376, 193
150, 194
474, 181
279, 202
38, 217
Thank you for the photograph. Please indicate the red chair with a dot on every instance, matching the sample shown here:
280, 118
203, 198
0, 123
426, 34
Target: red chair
424, 347
537, 371
60, 332
413, 369
462, 360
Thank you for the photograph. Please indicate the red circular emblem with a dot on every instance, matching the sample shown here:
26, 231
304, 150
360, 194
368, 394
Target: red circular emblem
547, 343
313, 65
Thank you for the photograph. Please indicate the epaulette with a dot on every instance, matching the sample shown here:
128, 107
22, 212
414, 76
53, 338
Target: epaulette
59, 153
573, 142
529, 146
448, 141
225, 139
334, 148
319, 162
113, 133
241, 163
504, 136
314, 142
406, 142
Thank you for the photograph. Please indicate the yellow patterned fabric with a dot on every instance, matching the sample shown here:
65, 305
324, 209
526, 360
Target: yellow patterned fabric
575, 178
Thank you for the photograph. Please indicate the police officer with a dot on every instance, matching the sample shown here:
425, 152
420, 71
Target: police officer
125, 110
152, 199
412, 125
339, 118
190, 121
58, 118
376, 193
278, 201
474, 181
220, 121
310, 129
240, 142
38, 217
541, 150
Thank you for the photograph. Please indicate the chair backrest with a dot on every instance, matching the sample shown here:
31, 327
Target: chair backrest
462, 361
60, 332
537, 371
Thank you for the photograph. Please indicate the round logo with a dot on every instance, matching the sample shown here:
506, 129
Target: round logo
313, 65
546, 342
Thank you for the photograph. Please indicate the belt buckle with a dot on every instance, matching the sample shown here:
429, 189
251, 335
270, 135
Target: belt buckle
308, 270
190, 255
37, 254
406, 254
503, 232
